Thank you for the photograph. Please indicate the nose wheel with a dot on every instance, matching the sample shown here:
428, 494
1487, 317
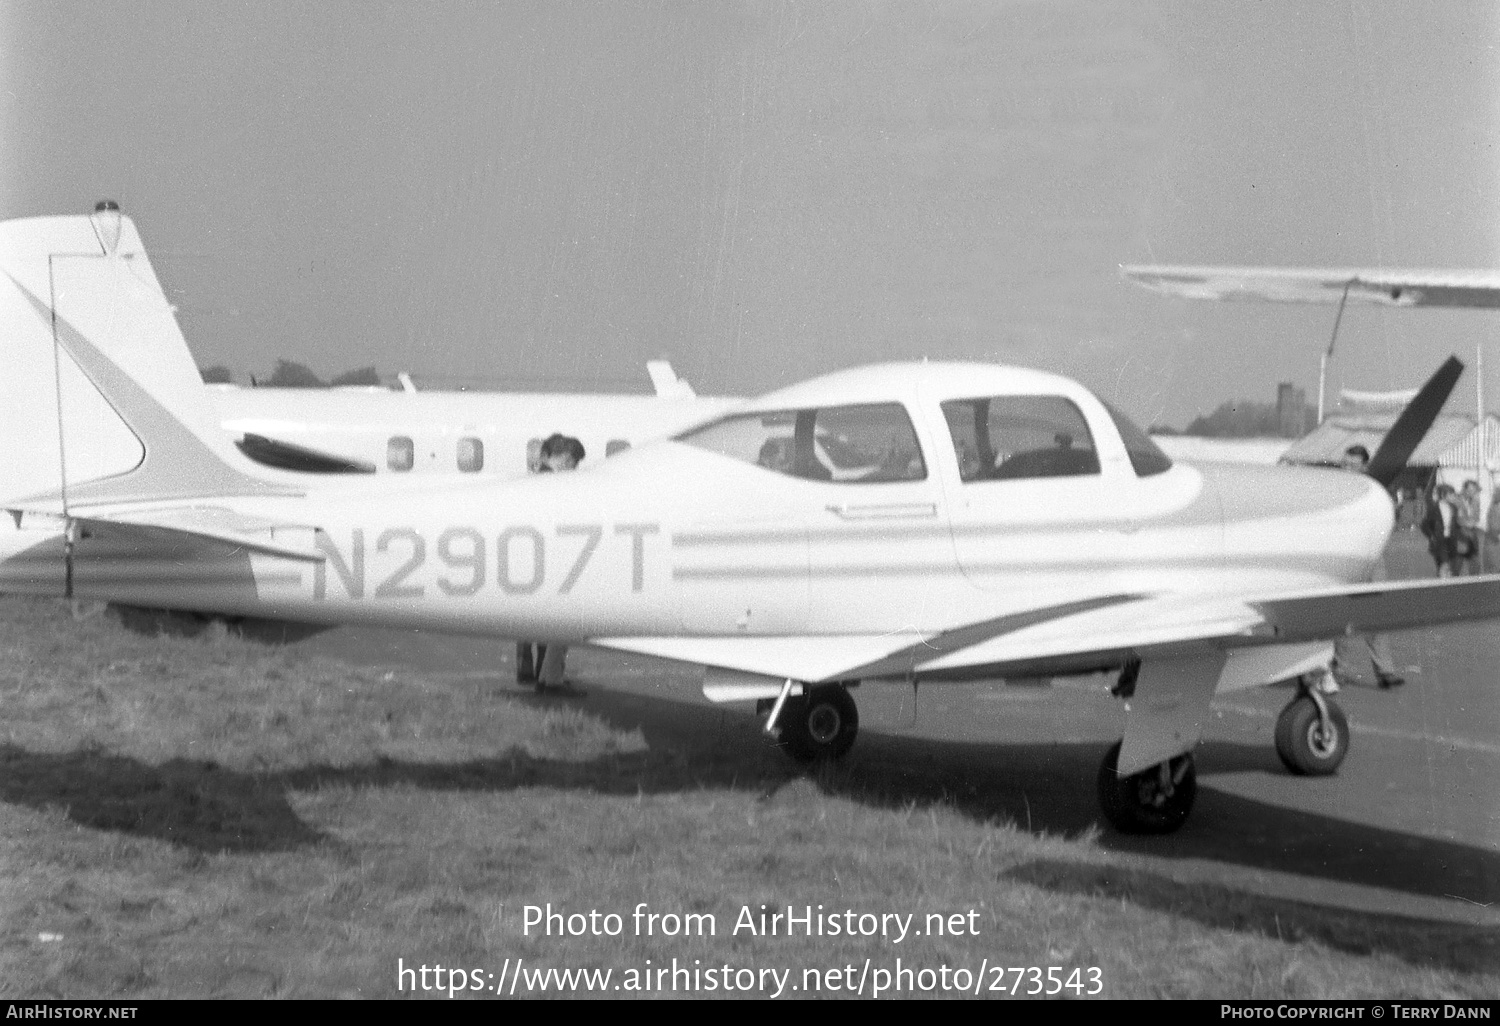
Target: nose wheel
1154, 801
1312, 734
819, 725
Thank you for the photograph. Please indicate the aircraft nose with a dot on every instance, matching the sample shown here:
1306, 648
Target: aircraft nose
1330, 524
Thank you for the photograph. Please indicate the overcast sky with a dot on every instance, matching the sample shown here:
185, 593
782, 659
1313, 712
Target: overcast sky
545, 195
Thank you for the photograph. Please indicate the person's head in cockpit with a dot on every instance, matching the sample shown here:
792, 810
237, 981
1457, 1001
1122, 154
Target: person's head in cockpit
559, 453
776, 454
1355, 459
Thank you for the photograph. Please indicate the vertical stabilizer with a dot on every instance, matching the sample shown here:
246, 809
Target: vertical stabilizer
102, 400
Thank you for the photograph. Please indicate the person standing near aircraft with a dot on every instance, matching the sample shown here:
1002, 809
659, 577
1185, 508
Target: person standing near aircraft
1490, 561
1470, 540
1377, 646
1440, 525
559, 454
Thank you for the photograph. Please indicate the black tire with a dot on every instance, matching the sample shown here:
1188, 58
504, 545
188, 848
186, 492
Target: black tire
819, 725
1138, 804
526, 668
1306, 746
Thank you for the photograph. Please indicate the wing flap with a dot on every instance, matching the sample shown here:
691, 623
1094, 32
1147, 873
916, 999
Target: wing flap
809, 658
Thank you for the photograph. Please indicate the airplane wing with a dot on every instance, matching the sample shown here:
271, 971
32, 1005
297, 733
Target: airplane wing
1106, 630
1185, 648
1386, 287
198, 523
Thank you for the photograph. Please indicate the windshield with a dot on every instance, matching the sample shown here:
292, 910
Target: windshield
999, 438
1144, 455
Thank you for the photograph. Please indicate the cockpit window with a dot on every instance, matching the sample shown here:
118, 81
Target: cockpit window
1020, 436
1145, 456
869, 443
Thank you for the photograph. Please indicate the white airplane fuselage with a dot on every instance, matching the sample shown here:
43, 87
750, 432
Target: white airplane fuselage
672, 540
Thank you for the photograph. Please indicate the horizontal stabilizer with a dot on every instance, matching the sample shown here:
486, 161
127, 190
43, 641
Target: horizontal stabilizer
213, 524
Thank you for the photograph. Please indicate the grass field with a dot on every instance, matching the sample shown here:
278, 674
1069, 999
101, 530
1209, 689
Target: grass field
209, 816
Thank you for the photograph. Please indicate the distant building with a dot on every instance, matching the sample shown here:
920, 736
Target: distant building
1292, 415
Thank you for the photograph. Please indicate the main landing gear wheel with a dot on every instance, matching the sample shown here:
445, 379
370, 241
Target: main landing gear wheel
1310, 743
1154, 801
819, 725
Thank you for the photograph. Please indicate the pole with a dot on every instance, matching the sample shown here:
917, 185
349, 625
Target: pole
1332, 340
1322, 380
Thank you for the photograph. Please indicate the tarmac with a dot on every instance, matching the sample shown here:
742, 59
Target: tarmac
1408, 828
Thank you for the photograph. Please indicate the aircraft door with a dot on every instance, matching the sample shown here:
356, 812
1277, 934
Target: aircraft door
830, 523
877, 534
740, 560
1033, 512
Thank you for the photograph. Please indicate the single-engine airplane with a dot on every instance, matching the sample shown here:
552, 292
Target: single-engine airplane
914, 522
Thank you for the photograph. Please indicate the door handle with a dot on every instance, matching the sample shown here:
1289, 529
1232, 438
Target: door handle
883, 510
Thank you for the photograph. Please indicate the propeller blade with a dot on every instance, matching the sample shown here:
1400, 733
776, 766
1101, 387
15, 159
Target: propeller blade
1411, 427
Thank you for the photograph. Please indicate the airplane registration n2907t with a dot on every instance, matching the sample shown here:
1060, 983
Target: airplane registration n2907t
912, 522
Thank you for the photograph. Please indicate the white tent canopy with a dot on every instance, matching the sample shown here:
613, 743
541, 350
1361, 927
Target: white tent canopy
1475, 457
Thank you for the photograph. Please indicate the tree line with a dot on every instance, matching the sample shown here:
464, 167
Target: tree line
291, 374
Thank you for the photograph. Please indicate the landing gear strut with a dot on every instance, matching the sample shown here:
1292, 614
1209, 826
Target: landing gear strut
1312, 733
820, 724
1154, 801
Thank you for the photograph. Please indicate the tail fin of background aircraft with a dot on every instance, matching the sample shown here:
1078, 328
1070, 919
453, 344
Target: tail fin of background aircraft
666, 382
100, 400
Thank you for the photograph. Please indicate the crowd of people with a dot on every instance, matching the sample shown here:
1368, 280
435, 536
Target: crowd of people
1461, 536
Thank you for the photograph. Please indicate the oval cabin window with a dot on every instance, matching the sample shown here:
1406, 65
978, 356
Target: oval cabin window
400, 453
470, 455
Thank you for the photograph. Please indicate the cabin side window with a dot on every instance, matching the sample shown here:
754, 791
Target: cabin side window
400, 453
866, 443
615, 445
1011, 437
470, 455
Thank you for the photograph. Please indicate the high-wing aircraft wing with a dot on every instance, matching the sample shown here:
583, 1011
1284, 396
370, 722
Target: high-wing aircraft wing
1383, 286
